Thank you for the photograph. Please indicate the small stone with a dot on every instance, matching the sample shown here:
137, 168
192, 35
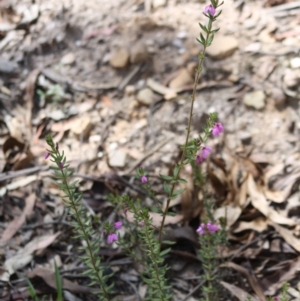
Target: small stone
295, 62
158, 3
182, 79
138, 53
120, 58
222, 47
278, 97
181, 35
8, 67
245, 137
129, 90
255, 99
117, 158
145, 96
68, 59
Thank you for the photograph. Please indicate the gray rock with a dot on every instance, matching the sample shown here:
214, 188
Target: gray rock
138, 53
145, 96
222, 47
120, 58
182, 79
117, 158
8, 67
255, 99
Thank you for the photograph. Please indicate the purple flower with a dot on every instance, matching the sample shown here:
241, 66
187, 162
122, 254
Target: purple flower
142, 224
118, 225
199, 159
206, 150
201, 229
144, 179
217, 129
61, 164
209, 228
276, 298
212, 228
47, 156
209, 9
203, 154
112, 237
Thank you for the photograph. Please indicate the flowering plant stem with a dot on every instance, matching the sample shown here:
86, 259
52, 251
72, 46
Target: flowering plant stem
82, 223
184, 152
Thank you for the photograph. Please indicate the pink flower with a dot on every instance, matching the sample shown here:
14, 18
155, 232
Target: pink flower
212, 228
112, 237
217, 129
118, 225
209, 9
208, 228
203, 154
144, 179
61, 164
201, 229
142, 223
47, 156
206, 150
276, 298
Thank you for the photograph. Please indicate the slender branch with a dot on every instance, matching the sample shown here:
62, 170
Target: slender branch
181, 164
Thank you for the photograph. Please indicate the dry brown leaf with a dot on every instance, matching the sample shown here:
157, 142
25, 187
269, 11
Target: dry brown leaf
24, 256
251, 278
238, 292
260, 202
49, 277
18, 221
231, 213
275, 281
259, 224
17, 184
287, 235
157, 218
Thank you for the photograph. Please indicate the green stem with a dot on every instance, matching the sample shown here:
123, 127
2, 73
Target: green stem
85, 234
153, 258
180, 165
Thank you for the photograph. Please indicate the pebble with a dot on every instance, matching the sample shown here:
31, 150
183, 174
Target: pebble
120, 58
222, 47
138, 53
245, 137
117, 158
145, 96
278, 97
129, 90
68, 59
182, 79
255, 99
295, 62
158, 3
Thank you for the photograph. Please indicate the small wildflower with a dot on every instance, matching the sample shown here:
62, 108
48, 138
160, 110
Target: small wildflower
112, 237
200, 230
144, 179
61, 164
209, 9
206, 150
217, 129
212, 228
47, 156
203, 154
199, 159
118, 225
276, 298
207, 228
56, 146
142, 223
